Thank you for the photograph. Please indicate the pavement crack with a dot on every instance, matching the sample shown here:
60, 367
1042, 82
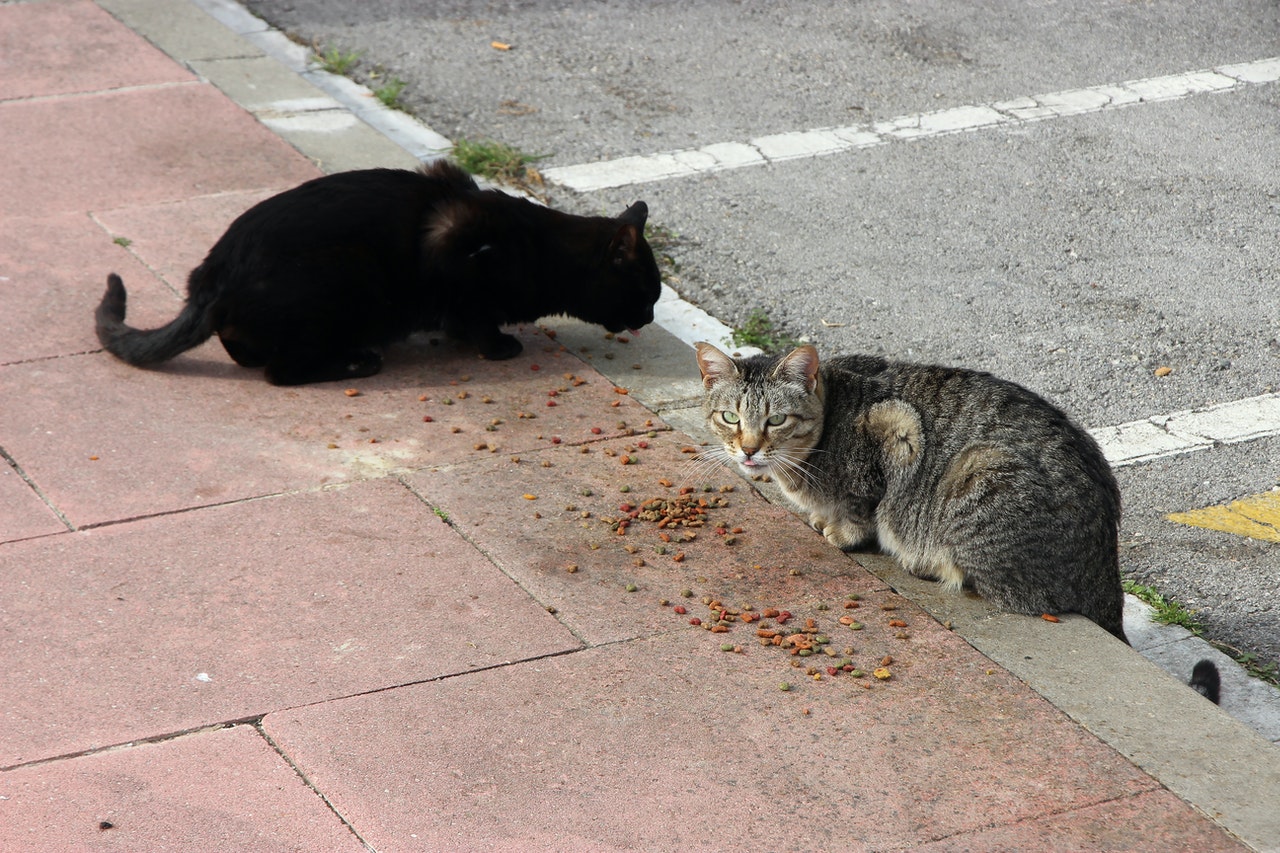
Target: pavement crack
31, 484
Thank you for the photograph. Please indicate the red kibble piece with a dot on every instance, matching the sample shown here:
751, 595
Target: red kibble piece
695, 621
426, 419
555, 439
679, 608
534, 367
551, 402
596, 430
643, 445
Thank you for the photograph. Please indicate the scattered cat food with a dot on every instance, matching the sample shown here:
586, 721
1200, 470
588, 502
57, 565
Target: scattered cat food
352, 392
529, 497
882, 673
1163, 370
499, 45
1049, 617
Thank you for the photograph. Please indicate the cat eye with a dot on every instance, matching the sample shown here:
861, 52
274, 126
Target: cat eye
776, 420
729, 417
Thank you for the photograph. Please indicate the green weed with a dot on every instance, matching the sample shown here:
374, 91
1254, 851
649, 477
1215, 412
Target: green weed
335, 61
1166, 612
497, 161
123, 241
389, 93
759, 331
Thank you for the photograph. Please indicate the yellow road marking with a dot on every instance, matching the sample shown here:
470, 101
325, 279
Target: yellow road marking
1257, 517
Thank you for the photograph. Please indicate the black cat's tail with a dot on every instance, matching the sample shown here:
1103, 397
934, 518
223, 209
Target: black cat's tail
192, 327
1206, 681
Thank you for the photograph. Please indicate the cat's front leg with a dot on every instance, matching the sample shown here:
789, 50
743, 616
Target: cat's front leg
493, 343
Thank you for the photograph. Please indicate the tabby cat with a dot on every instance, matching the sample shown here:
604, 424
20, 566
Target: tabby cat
965, 478
313, 282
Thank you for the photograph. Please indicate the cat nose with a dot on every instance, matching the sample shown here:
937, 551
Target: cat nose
749, 451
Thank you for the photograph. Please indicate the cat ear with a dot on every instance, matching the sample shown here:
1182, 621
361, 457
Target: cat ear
636, 214
715, 365
623, 248
630, 232
800, 366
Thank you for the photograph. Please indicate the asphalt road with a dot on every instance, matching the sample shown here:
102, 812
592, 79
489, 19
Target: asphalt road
1075, 254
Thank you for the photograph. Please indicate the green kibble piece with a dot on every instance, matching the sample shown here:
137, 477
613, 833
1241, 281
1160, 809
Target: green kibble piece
853, 596
857, 673
855, 626
586, 493
632, 587
659, 549
804, 653
726, 647
686, 593
624, 488
784, 687
822, 607
822, 639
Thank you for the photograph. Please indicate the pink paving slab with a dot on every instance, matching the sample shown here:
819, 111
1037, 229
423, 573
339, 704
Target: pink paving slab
173, 237
549, 521
53, 271
22, 512
169, 624
203, 430
56, 48
224, 789
669, 743
138, 146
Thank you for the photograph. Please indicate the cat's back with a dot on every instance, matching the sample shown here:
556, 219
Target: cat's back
960, 408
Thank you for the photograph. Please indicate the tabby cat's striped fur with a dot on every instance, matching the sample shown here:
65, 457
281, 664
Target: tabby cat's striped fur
965, 478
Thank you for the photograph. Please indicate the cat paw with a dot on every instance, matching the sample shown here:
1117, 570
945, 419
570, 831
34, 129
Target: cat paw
846, 535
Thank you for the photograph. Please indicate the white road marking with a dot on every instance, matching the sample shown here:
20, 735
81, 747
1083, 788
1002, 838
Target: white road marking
1185, 432
820, 142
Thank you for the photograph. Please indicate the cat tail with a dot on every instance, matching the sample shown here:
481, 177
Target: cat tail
1206, 681
192, 327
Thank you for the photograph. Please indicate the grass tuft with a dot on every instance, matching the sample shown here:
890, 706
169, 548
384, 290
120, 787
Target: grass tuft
759, 331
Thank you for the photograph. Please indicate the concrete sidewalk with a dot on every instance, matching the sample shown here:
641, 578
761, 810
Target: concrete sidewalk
240, 617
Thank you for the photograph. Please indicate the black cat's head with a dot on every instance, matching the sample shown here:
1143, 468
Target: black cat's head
627, 281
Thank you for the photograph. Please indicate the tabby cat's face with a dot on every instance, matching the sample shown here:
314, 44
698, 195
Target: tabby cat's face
766, 412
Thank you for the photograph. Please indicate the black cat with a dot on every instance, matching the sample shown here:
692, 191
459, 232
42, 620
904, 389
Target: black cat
313, 282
